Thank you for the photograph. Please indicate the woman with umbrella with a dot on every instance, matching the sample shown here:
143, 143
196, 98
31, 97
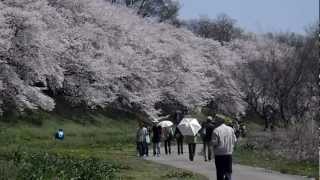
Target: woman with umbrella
189, 127
167, 135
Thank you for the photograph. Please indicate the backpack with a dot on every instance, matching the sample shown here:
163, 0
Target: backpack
59, 134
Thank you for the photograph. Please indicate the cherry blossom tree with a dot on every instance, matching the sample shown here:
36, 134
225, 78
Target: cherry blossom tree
91, 53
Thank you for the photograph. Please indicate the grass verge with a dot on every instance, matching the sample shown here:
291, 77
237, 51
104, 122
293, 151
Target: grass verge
102, 149
268, 161
256, 151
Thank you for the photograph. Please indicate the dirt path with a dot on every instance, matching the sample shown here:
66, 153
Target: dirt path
240, 172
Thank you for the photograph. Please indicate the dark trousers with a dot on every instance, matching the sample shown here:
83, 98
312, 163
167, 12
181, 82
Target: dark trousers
180, 145
207, 150
223, 167
167, 146
156, 148
192, 151
146, 148
143, 148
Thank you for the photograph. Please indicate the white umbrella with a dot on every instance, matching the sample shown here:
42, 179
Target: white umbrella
164, 124
189, 126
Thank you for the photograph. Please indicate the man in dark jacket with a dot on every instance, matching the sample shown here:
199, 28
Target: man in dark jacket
206, 134
156, 138
178, 116
179, 137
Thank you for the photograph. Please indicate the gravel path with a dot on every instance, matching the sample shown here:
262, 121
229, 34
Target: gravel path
240, 172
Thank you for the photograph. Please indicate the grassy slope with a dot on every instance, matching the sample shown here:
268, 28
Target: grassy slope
264, 158
106, 139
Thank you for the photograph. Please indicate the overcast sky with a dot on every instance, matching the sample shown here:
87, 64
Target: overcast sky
257, 15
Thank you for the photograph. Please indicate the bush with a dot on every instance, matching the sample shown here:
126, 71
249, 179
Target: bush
48, 166
300, 142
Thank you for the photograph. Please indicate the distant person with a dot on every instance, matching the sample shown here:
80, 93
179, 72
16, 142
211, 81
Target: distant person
142, 133
206, 134
269, 116
168, 136
236, 125
147, 141
223, 139
156, 138
59, 134
191, 140
178, 116
179, 137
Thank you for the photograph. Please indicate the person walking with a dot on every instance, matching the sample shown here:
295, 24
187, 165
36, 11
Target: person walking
147, 140
156, 138
178, 116
141, 135
168, 135
269, 116
223, 139
206, 134
179, 137
191, 141
236, 125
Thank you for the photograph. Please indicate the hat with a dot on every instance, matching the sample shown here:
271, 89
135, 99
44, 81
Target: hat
209, 118
219, 119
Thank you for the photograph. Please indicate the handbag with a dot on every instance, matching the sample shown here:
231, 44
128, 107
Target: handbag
148, 139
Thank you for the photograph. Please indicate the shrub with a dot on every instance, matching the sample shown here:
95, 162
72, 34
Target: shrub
49, 166
298, 142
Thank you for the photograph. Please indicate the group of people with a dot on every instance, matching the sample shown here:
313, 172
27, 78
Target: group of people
156, 135
218, 140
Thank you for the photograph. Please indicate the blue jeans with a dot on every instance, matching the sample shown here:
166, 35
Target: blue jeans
156, 148
142, 148
167, 146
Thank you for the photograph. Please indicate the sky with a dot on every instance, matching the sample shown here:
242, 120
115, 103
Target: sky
257, 16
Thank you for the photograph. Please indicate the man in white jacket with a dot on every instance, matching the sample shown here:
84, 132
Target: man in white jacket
224, 139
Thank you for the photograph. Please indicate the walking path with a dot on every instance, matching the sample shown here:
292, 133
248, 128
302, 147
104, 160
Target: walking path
240, 172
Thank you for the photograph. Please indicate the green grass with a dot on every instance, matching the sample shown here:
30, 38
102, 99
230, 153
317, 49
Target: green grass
102, 143
251, 154
266, 160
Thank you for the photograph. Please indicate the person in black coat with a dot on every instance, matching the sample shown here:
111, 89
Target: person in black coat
156, 138
178, 116
206, 134
179, 137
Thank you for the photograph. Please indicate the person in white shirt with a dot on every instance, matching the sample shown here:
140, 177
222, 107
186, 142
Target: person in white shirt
141, 138
223, 139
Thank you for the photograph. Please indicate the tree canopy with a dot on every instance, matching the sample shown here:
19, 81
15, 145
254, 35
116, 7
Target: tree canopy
97, 55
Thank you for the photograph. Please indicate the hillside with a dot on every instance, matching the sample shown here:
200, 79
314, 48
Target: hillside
93, 54
104, 149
